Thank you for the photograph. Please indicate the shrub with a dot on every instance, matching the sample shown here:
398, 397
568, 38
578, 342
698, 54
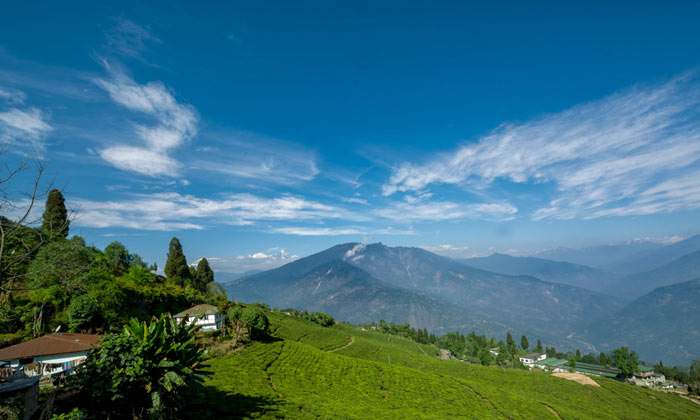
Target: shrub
141, 371
256, 322
83, 313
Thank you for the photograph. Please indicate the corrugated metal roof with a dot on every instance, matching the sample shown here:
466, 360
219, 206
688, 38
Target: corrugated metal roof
533, 355
203, 309
51, 344
551, 361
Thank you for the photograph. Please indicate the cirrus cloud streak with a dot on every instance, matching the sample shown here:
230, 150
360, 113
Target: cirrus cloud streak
634, 152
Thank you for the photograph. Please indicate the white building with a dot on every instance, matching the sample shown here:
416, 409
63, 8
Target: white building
49, 354
532, 358
210, 318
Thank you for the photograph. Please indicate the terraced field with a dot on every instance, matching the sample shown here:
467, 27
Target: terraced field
372, 376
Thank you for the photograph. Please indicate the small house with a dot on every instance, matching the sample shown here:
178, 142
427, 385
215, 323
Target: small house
207, 316
49, 354
645, 375
532, 358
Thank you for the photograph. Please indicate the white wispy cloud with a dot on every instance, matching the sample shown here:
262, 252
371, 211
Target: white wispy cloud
446, 210
257, 261
173, 211
317, 231
245, 155
24, 127
634, 152
338, 231
175, 123
12, 96
129, 39
354, 200
448, 250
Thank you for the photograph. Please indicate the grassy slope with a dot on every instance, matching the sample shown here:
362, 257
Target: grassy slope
296, 376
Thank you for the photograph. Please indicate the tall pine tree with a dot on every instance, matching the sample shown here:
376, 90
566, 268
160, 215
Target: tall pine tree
176, 269
523, 343
539, 346
55, 219
203, 276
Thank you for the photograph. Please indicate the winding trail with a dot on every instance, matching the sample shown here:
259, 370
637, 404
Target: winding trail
349, 343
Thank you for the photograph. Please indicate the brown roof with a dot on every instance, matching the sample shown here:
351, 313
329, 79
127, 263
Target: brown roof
202, 309
51, 344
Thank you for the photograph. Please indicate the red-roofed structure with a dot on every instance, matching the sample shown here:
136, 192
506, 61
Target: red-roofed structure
49, 354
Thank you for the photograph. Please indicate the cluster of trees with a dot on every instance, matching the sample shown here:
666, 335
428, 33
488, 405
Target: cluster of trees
320, 318
403, 330
48, 280
689, 376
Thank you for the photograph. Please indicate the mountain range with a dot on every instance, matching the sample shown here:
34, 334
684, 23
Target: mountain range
363, 283
661, 325
635, 285
536, 297
547, 270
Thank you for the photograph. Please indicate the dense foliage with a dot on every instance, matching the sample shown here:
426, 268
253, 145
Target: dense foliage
60, 282
55, 219
141, 372
176, 269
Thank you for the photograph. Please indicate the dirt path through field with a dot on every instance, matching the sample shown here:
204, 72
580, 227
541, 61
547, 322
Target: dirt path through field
582, 379
553, 411
352, 340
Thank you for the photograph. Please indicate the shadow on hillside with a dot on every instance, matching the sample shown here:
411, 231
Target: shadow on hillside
212, 403
267, 338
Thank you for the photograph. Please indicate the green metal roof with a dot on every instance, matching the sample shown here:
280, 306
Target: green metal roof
552, 362
643, 369
598, 372
203, 309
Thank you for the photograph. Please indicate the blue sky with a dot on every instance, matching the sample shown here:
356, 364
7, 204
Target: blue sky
257, 132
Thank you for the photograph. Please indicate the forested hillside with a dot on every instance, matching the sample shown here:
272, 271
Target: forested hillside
52, 282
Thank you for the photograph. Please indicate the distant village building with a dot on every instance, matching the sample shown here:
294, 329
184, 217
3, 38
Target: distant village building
562, 365
553, 364
532, 358
50, 354
494, 351
210, 318
645, 375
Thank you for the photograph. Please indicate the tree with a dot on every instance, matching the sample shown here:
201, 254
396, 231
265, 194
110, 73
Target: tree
485, 356
59, 271
603, 358
204, 275
176, 269
509, 340
117, 258
625, 360
55, 219
539, 346
18, 242
572, 364
142, 371
578, 354
83, 313
256, 322
523, 343
235, 318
